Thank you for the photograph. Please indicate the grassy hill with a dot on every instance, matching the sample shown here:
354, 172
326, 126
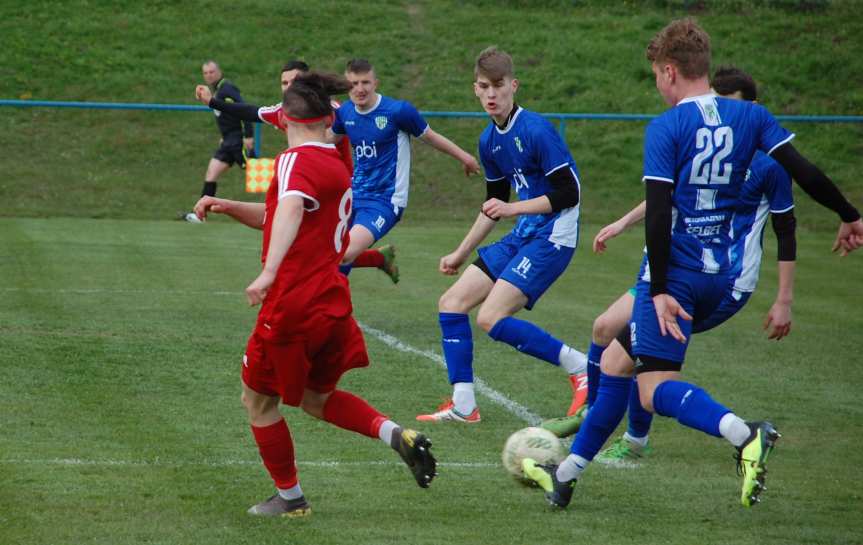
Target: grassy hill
577, 56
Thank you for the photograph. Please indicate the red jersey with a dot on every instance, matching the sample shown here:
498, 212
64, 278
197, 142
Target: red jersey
308, 283
270, 116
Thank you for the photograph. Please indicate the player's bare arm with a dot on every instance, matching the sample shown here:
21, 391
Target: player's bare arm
450, 263
286, 223
445, 145
250, 214
613, 229
496, 208
778, 319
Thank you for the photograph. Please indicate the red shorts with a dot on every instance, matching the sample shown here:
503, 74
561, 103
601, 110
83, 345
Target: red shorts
315, 360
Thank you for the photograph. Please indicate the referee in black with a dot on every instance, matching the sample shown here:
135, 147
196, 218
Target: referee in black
235, 134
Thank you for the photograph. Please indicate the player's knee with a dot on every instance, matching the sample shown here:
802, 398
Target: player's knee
487, 319
451, 302
313, 404
604, 330
645, 396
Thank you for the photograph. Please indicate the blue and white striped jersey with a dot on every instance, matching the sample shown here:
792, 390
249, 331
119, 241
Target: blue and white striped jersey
382, 149
767, 190
525, 153
704, 146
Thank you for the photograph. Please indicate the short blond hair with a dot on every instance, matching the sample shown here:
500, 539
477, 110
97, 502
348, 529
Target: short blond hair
685, 45
493, 64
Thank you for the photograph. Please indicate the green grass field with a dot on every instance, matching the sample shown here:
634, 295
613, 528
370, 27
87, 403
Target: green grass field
121, 340
121, 331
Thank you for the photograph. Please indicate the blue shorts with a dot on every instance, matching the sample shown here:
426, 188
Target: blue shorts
532, 265
731, 303
376, 216
700, 295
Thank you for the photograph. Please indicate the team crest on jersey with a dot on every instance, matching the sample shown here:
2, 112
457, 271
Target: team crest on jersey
381, 122
518, 144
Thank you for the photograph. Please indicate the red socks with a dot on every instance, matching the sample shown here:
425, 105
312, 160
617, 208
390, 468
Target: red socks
353, 413
369, 258
277, 452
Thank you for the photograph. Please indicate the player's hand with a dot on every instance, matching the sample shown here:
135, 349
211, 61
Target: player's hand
203, 94
449, 264
496, 209
471, 165
780, 318
606, 233
207, 204
249, 144
849, 237
257, 290
667, 312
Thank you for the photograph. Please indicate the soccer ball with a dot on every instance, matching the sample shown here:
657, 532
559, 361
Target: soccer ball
537, 443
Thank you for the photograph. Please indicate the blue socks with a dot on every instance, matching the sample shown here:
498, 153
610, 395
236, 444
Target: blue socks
603, 417
457, 342
639, 418
690, 405
527, 338
594, 356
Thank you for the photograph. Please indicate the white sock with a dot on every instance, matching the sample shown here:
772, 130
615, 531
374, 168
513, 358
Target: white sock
463, 397
733, 428
572, 360
640, 441
571, 468
291, 493
386, 431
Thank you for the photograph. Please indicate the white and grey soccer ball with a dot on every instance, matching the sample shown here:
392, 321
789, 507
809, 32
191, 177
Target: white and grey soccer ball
537, 443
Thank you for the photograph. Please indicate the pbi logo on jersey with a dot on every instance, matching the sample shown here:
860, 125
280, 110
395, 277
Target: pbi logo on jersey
380, 222
366, 151
518, 144
522, 268
381, 122
495, 149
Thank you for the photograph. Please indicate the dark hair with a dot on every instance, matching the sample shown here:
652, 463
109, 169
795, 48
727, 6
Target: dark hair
295, 65
309, 95
685, 45
358, 66
729, 79
493, 64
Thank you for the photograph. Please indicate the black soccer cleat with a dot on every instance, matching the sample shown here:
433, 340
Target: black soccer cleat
414, 448
558, 494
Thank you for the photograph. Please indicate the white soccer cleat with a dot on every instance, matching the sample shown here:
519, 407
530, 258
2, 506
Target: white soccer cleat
446, 413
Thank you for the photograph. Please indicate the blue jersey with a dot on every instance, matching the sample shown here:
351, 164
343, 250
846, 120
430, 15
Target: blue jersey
525, 153
767, 189
704, 146
382, 148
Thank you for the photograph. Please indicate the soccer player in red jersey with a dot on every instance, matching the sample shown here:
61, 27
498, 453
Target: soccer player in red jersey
305, 337
383, 257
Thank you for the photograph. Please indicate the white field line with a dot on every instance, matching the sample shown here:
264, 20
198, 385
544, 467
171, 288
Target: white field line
158, 462
511, 406
482, 387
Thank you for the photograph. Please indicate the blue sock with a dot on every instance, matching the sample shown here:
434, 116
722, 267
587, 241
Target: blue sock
639, 418
594, 356
457, 341
527, 338
346, 269
690, 405
603, 417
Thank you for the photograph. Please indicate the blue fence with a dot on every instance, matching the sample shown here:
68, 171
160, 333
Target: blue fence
561, 118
